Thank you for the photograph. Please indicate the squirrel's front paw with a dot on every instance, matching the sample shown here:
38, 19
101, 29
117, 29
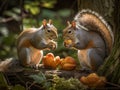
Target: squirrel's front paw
52, 45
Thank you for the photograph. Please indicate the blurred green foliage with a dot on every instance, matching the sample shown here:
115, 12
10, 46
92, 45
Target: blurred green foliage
69, 84
34, 11
57, 83
4, 85
41, 79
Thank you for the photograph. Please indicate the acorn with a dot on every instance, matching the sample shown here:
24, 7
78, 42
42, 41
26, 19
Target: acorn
68, 63
49, 61
93, 80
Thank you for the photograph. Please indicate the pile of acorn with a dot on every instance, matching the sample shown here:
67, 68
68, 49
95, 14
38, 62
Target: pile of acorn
67, 63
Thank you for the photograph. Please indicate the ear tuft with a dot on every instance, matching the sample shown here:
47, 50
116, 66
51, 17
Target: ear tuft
50, 21
44, 22
68, 22
73, 24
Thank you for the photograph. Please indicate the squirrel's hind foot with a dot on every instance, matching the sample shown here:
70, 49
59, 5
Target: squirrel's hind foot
36, 67
86, 70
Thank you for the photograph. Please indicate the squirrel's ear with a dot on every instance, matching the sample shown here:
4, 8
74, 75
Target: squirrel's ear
44, 22
68, 22
50, 21
73, 24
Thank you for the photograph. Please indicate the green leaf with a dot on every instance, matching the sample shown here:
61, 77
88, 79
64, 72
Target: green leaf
34, 10
3, 81
48, 13
48, 3
27, 6
32, 7
9, 40
40, 78
64, 13
47, 85
18, 87
69, 84
16, 10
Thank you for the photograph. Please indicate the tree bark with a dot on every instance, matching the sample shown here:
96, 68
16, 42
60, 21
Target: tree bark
109, 9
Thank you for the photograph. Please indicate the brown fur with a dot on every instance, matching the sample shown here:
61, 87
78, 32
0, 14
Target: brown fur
35, 55
29, 47
25, 42
84, 53
94, 22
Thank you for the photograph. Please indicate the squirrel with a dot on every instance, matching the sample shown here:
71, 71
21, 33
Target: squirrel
91, 36
32, 41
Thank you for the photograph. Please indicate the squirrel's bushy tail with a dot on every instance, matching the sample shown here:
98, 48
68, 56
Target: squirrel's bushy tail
93, 21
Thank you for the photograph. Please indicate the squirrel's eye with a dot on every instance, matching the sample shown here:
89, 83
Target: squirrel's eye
69, 31
48, 30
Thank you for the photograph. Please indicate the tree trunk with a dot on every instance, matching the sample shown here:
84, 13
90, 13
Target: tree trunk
110, 10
